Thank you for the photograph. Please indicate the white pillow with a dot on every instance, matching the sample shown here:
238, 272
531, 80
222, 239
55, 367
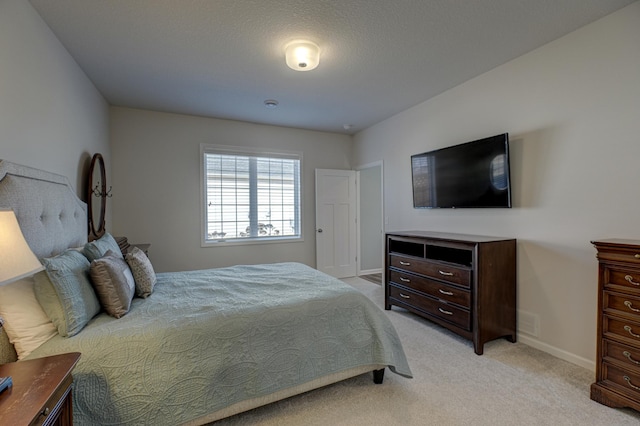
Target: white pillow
26, 323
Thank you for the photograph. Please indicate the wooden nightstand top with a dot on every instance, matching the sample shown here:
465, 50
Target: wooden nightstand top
37, 384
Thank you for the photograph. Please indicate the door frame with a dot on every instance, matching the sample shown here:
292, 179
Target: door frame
359, 270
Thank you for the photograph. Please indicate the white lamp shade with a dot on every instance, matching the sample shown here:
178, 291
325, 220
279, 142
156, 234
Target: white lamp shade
302, 55
16, 258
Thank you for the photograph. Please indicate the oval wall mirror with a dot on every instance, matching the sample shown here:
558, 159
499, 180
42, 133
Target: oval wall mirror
97, 197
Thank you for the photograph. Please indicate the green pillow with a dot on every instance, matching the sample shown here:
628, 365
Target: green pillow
98, 248
65, 292
48, 298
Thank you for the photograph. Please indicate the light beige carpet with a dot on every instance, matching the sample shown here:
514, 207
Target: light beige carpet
511, 384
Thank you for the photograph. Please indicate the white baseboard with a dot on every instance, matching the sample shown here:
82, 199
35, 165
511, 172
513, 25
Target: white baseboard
558, 353
370, 271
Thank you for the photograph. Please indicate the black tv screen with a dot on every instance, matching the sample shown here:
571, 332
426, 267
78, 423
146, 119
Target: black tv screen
472, 174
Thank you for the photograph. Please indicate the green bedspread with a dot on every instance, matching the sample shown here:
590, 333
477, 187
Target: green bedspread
207, 339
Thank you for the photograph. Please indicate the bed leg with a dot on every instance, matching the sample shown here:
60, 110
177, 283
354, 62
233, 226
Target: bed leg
378, 376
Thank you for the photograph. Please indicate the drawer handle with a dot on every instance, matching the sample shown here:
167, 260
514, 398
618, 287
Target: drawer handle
627, 328
405, 263
448, 293
404, 296
627, 354
637, 256
45, 412
629, 305
446, 274
628, 380
630, 279
445, 312
405, 280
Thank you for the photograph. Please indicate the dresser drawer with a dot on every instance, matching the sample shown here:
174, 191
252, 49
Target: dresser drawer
625, 354
622, 304
621, 330
55, 406
443, 310
623, 380
626, 253
436, 289
440, 271
625, 278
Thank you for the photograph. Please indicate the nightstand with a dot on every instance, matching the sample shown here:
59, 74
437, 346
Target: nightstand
143, 247
41, 391
126, 247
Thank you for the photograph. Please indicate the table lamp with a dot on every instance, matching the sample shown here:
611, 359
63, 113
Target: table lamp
16, 261
16, 258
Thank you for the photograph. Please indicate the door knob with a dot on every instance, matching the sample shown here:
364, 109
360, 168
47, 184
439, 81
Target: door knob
320, 230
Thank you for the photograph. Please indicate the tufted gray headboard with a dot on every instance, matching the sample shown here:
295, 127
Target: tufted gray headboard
51, 216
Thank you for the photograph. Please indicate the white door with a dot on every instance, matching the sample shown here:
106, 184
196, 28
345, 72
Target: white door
336, 200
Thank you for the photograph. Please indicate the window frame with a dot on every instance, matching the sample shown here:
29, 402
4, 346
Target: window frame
247, 151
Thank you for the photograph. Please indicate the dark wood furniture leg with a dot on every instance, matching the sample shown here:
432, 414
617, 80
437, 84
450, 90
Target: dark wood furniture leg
378, 376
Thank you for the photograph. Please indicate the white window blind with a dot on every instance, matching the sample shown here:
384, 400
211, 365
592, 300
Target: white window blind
250, 196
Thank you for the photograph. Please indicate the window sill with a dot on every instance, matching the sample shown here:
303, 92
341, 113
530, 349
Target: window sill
251, 241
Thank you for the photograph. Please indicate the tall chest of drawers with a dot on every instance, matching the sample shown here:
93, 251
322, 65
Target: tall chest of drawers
465, 283
618, 341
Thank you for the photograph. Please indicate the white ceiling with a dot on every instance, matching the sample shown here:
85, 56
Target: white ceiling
224, 58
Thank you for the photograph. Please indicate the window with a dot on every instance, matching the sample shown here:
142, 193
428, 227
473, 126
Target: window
250, 196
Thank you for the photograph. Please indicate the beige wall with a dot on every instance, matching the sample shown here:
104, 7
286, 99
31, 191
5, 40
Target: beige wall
51, 115
156, 184
572, 109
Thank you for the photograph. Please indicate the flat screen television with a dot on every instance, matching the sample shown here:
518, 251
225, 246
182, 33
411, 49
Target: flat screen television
472, 174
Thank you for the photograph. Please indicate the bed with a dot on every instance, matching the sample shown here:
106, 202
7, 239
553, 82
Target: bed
205, 344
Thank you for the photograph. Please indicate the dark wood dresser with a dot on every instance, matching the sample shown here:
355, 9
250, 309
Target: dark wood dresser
41, 391
466, 283
618, 345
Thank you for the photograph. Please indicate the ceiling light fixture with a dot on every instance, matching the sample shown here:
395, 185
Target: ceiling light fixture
271, 103
302, 55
